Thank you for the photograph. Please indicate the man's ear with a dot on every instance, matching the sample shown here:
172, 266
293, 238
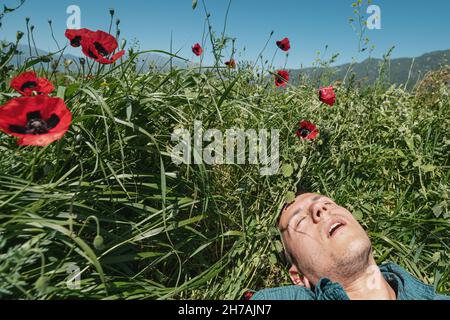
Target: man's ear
297, 278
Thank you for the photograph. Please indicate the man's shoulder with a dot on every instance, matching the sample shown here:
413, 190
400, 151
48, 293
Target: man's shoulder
285, 293
413, 288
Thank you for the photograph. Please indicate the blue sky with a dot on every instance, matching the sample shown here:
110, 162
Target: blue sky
414, 27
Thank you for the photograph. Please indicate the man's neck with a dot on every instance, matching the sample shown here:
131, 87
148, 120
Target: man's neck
369, 285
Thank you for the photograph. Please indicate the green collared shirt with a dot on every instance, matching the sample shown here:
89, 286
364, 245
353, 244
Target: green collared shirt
405, 286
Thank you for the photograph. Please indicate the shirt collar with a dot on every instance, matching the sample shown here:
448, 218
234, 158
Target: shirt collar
405, 286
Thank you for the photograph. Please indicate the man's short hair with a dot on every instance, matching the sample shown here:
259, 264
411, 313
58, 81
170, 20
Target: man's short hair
299, 192
287, 254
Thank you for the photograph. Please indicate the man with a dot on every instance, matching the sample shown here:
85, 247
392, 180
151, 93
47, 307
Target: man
331, 257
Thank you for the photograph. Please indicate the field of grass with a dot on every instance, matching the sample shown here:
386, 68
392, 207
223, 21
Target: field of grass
209, 232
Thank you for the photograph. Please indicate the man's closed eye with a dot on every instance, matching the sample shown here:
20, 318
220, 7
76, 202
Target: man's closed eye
297, 225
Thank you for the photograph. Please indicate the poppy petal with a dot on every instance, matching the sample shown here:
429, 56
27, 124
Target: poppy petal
104, 42
281, 78
76, 36
99, 46
36, 121
45, 86
113, 59
284, 44
25, 83
307, 130
327, 95
197, 49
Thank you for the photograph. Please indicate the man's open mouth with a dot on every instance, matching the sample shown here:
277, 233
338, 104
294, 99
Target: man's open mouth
334, 227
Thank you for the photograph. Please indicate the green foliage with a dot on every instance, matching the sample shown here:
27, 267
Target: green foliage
163, 231
210, 231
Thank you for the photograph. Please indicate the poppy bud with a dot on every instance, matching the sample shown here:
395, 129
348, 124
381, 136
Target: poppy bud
82, 61
32, 28
50, 22
67, 62
98, 242
27, 19
41, 284
19, 35
45, 59
111, 12
117, 22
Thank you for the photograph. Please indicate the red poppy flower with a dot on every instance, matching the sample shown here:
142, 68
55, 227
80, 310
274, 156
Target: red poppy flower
281, 78
247, 295
231, 64
284, 44
77, 36
26, 83
99, 46
197, 49
327, 95
307, 130
36, 121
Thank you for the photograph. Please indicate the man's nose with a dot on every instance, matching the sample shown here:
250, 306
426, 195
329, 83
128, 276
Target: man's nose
318, 211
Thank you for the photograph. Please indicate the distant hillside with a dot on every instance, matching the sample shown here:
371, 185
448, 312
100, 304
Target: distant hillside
368, 71
365, 72
24, 55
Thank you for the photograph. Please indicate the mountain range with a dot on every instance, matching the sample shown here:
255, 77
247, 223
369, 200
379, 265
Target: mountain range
400, 70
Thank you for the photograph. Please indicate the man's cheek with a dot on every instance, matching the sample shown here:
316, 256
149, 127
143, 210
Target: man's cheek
311, 252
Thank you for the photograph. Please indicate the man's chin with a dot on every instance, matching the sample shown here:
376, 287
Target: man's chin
354, 258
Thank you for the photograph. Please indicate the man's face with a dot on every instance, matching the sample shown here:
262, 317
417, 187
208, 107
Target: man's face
324, 239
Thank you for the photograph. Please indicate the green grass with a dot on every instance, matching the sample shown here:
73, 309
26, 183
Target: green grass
209, 232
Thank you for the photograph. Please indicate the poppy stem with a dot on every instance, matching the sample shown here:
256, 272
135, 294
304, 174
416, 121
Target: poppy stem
41, 254
97, 222
28, 37
262, 50
90, 65
53, 35
57, 63
33, 164
204, 36
111, 20
273, 58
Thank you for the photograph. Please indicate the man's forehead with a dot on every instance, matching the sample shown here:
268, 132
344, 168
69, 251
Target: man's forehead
299, 203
